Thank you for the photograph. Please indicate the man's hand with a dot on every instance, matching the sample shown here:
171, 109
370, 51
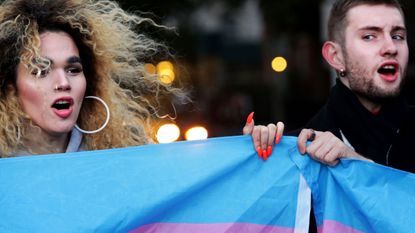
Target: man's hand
325, 147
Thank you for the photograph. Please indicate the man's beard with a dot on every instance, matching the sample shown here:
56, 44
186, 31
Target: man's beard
363, 85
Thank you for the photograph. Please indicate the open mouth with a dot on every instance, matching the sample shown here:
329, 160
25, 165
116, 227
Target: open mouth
62, 104
388, 69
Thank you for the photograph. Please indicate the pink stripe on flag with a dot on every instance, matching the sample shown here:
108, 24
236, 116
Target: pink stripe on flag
331, 226
210, 228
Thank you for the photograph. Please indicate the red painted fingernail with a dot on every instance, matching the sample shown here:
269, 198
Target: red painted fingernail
277, 140
259, 151
269, 151
250, 117
264, 155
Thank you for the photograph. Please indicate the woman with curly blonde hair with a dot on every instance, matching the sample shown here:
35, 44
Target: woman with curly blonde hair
61, 61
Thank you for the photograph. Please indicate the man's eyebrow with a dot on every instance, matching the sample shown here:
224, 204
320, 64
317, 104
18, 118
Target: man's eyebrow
378, 29
371, 28
398, 28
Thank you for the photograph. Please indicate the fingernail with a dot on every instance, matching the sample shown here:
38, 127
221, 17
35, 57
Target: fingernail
264, 155
249, 118
259, 151
277, 140
269, 151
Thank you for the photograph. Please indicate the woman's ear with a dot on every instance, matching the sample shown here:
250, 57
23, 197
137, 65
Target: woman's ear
333, 54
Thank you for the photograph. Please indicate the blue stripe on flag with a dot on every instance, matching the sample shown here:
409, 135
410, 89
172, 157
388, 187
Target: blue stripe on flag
216, 182
359, 196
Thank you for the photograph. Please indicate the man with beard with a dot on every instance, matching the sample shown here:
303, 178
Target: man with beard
365, 113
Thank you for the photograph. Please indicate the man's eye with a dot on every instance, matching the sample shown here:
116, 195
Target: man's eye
368, 37
398, 37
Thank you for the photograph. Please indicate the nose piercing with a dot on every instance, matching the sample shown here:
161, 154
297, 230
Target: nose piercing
56, 88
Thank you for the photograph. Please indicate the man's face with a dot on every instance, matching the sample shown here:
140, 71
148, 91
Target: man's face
375, 51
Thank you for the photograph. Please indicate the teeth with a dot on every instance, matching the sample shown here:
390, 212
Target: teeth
388, 67
62, 102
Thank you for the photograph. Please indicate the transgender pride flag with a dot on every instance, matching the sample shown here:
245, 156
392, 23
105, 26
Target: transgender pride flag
216, 185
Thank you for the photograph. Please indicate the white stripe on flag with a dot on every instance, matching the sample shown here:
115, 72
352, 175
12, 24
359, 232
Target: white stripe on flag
302, 218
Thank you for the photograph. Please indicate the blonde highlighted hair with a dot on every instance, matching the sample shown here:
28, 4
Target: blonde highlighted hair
112, 53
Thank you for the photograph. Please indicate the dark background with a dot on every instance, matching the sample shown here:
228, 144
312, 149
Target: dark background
226, 47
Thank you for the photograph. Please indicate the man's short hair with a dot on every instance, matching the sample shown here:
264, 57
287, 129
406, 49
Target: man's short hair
338, 22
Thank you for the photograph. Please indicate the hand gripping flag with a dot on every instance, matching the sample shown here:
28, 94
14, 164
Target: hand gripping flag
216, 185
358, 196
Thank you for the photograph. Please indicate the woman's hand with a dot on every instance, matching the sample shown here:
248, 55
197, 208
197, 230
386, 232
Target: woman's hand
263, 136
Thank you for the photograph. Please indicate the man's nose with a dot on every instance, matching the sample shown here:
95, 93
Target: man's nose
389, 47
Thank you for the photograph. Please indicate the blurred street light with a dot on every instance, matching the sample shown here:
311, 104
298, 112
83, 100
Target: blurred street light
168, 133
165, 70
279, 64
196, 133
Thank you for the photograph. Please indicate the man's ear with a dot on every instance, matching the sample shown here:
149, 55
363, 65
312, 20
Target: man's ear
333, 54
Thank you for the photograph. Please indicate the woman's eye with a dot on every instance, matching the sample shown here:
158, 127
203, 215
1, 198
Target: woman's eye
74, 70
40, 73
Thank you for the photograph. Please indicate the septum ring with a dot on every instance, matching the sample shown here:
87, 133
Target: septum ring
312, 136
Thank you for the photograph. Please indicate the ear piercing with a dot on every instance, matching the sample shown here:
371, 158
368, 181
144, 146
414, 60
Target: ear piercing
342, 73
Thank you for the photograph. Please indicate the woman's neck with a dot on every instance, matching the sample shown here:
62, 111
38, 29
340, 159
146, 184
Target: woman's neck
38, 141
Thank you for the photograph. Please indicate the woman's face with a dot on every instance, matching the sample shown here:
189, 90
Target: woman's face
53, 99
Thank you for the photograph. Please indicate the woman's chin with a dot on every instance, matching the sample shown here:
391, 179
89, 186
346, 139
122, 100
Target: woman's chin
61, 130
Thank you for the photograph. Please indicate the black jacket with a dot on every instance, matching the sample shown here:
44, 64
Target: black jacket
384, 137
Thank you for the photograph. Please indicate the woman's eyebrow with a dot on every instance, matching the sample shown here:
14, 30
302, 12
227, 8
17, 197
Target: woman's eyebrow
70, 60
74, 59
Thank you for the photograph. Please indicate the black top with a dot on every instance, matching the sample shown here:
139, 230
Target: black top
402, 153
383, 137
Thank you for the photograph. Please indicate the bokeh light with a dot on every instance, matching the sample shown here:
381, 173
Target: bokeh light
166, 76
150, 68
279, 64
168, 133
165, 70
196, 133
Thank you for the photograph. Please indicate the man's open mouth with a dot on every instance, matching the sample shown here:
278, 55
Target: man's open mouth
388, 69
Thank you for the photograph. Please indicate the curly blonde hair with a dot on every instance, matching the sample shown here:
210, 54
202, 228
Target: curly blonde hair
112, 53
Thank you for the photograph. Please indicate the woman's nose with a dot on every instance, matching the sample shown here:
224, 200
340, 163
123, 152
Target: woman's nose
61, 81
